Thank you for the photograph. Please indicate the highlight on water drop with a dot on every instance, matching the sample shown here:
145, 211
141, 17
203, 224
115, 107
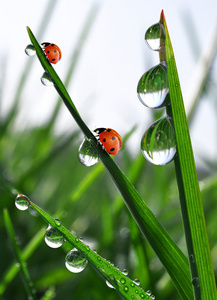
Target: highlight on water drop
87, 155
22, 202
75, 262
158, 144
155, 37
153, 87
46, 79
30, 50
53, 238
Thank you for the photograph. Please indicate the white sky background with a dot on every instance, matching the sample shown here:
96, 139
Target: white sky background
114, 58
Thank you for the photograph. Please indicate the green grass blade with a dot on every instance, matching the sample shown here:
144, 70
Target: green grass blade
19, 257
122, 284
27, 252
170, 255
190, 199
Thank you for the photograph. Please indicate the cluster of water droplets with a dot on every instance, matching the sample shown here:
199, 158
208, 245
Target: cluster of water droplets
158, 144
46, 80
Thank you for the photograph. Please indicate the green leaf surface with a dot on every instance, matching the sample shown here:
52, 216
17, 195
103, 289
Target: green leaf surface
121, 283
169, 254
190, 199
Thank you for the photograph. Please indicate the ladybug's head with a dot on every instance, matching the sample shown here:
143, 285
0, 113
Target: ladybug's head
99, 130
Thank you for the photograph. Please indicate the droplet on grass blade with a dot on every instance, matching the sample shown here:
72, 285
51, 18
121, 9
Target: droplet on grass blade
153, 87
46, 79
53, 238
154, 36
30, 50
75, 262
87, 154
158, 144
22, 202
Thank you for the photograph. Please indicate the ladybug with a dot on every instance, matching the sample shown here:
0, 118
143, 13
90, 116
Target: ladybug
53, 52
110, 139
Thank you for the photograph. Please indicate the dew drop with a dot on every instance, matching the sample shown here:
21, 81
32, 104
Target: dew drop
155, 36
126, 289
87, 154
153, 87
152, 297
148, 292
46, 79
30, 50
195, 282
75, 262
136, 281
109, 284
53, 238
192, 259
158, 144
125, 272
57, 222
123, 281
22, 202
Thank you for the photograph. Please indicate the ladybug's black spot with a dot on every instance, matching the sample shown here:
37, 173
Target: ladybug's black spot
112, 149
108, 130
48, 51
113, 138
53, 59
55, 51
104, 140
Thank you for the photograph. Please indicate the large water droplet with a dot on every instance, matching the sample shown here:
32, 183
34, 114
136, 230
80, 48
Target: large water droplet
153, 87
87, 154
154, 36
53, 237
195, 282
22, 202
46, 79
75, 262
158, 144
30, 50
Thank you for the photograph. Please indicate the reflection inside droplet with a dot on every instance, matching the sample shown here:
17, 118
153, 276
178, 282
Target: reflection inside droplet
158, 144
22, 202
153, 87
46, 79
53, 237
75, 262
30, 50
155, 36
87, 154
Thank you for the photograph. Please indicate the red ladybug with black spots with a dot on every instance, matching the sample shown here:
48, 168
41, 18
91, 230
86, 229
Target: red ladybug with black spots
110, 139
52, 51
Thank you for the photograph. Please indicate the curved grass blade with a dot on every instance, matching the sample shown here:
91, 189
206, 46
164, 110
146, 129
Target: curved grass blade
24, 271
121, 283
168, 252
190, 199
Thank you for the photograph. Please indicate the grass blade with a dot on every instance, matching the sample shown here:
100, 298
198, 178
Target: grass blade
190, 199
168, 252
122, 284
20, 260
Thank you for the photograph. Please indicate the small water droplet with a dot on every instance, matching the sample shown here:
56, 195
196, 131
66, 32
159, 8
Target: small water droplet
132, 296
153, 87
142, 296
22, 202
125, 272
46, 79
53, 237
132, 284
75, 262
126, 289
158, 144
155, 36
136, 281
57, 222
195, 282
123, 281
109, 284
30, 50
148, 292
152, 297
87, 154
192, 259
